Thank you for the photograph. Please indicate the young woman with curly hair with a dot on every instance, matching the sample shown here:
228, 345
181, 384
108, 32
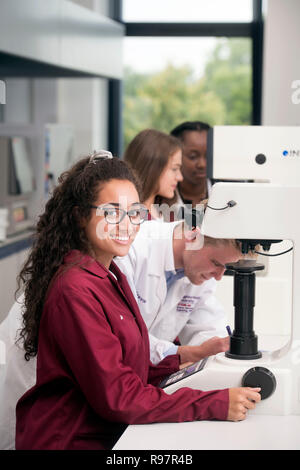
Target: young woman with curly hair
82, 321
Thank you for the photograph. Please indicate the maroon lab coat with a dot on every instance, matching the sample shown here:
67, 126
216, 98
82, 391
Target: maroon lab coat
94, 375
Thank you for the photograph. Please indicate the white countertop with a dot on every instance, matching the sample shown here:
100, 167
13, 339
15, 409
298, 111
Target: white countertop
256, 432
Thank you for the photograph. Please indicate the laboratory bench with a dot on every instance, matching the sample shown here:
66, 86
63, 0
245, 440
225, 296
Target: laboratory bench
256, 432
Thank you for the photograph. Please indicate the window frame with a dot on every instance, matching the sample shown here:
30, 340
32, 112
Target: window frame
252, 30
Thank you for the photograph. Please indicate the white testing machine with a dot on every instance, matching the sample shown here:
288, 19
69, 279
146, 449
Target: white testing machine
265, 211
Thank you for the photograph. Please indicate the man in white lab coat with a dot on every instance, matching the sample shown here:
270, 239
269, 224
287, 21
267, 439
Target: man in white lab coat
174, 282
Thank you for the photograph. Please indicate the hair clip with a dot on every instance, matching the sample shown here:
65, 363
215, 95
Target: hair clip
101, 155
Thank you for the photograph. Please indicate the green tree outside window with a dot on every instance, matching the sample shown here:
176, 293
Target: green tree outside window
164, 99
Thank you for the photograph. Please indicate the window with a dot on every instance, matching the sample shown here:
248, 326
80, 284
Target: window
191, 78
197, 60
188, 11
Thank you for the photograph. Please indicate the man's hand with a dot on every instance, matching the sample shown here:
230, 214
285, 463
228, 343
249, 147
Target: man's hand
210, 347
185, 364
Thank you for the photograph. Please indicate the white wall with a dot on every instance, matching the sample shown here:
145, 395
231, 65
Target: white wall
83, 104
281, 62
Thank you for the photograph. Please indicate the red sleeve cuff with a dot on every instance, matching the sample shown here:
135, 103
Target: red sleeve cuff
167, 366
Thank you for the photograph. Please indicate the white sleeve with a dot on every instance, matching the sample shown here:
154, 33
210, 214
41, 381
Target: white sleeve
207, 319
159, 349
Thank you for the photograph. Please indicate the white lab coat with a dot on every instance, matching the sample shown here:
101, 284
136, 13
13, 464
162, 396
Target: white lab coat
185, 310
16, 375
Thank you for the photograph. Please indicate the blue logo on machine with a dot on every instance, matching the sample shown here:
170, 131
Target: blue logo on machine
291, 153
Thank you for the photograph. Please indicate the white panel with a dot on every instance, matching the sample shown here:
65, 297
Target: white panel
263, 211
30, 29
92, 45
75, 108
235, 149
100, 119
281, 63
18, 108
61, 33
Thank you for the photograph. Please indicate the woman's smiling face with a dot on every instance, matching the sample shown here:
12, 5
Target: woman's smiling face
106, 239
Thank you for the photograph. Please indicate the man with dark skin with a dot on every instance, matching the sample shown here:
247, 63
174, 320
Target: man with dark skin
195, 186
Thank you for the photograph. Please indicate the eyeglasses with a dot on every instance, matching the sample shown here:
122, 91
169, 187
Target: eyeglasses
114, 215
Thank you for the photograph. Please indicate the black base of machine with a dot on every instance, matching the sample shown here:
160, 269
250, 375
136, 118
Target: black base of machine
243, 347
244, 357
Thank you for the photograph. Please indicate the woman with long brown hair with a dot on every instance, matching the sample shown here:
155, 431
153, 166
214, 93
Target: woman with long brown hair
81, 319
156, 158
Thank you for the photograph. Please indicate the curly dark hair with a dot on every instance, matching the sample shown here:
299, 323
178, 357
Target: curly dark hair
59, 231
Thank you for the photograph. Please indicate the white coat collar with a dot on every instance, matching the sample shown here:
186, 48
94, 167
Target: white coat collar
161, 256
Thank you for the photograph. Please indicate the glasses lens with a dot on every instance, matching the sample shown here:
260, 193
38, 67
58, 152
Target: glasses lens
112, 215
138, 215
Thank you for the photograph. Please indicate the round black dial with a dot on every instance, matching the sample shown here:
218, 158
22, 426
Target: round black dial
260, 377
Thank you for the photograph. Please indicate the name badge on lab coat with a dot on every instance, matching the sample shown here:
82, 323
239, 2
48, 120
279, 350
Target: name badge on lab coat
187, 304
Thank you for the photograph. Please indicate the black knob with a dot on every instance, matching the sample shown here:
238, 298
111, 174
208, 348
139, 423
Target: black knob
260, 377
260, 159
